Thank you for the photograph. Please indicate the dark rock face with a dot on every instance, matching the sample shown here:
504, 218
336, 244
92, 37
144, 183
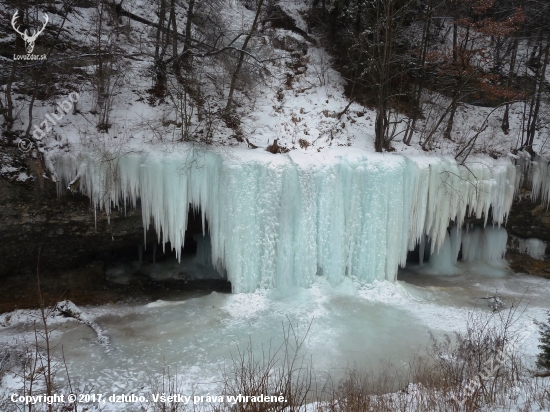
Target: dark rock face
280, 19
72, 251
529, 219
33, 217
522, 263
74, 245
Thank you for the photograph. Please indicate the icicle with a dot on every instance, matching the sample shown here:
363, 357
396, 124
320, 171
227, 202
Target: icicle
279, 221
487, 245
442, 261
535, 248
421, 249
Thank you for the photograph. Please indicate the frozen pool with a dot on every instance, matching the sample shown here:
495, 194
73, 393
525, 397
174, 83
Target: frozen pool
196, 334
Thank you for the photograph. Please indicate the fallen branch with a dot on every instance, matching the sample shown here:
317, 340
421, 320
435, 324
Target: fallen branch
69, 309
345, 109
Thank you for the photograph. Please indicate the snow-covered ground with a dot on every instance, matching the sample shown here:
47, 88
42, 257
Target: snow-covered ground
348, 325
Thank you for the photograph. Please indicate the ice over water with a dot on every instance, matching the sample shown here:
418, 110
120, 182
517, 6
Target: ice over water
279, 221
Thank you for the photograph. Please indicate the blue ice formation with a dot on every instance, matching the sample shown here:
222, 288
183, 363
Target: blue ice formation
278, 221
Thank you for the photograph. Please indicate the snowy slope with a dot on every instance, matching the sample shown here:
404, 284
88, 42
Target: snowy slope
292, 94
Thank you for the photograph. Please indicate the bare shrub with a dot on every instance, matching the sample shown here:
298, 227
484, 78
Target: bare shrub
282, 372
478, 369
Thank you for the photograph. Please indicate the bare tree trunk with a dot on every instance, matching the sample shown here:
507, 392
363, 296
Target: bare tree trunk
455, 41
31, 106
451, 120
100, 71
8, 112
380, 127
421, 75
383, 61
535, 61
538, 47
166, 32
162, 13
186, 56
172, 21
531, 131
8, 115
235, 76
505, 125
187, 43
458, 67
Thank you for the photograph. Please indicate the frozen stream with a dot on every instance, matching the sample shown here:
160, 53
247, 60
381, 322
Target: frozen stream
195, 334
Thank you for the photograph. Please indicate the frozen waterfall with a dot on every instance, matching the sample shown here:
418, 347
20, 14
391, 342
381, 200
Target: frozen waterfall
482, 245
281, 220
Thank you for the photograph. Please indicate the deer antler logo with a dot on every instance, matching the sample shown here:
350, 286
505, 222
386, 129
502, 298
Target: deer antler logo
29, 40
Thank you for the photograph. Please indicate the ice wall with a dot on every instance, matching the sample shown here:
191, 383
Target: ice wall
533, 247
535, 169
280, 221
477, 244
486, 245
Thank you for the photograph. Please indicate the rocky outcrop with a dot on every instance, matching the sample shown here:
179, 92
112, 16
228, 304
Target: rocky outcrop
279, 18
527, 220
64, 228
74, 243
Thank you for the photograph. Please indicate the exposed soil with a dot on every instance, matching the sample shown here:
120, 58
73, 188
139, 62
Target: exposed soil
521, 263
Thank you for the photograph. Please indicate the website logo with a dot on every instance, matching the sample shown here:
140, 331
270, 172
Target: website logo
28, 39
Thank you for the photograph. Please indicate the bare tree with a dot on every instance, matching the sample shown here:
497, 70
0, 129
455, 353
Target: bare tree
242, 54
